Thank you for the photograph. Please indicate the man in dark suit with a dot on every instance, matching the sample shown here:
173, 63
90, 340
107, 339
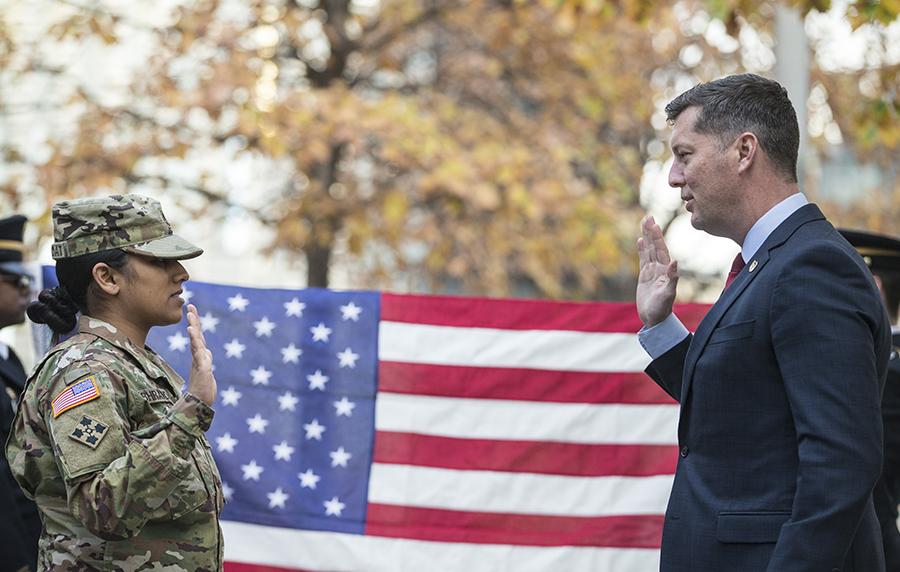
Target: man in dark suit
20, 525
882, 256
779, 433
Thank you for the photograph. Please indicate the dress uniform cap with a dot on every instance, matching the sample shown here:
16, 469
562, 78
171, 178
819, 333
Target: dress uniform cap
134, 223
11, 245
881, 252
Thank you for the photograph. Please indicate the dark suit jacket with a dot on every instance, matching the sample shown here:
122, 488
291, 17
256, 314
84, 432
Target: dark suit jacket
887, 490
20, 525
780, 427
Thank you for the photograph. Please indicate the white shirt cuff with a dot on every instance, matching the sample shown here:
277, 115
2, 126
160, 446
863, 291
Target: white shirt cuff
662, 337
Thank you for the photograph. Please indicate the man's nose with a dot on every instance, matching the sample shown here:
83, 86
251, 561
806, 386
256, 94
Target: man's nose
676, 176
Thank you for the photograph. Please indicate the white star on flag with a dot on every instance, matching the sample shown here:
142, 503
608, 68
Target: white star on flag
283, 451
350, 312
238, 302
277, 498
226, 443
234, 348
252, 470
314, 430
260, 376
317, 380
208, 322
333, 507
308, 479
348, 358
264, 327
257, 424
320, 333
227, 491
287, 401
294, 308
186, 295
343, 407
340, 457
291, 354
177, 342
231, 396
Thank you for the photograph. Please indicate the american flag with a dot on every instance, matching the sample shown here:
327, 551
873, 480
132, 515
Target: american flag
79, 393
365, 431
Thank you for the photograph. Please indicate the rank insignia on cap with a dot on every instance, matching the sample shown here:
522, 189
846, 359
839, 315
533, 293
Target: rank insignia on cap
76, 394
89, 432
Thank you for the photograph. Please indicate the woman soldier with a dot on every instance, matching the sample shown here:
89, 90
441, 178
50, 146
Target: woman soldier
104, 440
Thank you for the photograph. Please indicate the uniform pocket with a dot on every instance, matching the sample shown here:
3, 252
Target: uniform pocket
750, 526
731, 332
189, 495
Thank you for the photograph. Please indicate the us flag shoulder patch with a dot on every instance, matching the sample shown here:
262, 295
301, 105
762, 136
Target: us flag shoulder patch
75, 395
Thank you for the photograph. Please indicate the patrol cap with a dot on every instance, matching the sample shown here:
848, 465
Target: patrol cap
881, 252
132, 222
11, 245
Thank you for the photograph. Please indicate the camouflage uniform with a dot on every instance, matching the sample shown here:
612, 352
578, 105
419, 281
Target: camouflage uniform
113, 453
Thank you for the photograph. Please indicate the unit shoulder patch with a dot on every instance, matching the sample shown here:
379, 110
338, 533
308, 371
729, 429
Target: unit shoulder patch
89, 431
76, 394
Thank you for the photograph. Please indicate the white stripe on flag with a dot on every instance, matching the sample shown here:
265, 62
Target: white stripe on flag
534, 349
518, 493
527, 420
310, 550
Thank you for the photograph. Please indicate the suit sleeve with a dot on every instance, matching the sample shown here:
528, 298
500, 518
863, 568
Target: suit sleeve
829, 332
668, 369
116, 481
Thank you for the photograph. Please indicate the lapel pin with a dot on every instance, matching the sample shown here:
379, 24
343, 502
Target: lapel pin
752, 266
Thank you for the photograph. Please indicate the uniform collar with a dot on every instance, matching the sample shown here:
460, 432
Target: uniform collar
145, 357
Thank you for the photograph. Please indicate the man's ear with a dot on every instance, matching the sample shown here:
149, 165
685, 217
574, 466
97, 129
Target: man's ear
747, 146
106, 278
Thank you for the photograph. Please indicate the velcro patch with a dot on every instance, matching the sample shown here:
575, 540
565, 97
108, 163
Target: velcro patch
75, 395
89, 432
155, 396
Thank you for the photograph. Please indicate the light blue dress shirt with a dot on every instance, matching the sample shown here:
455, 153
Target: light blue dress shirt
665, 335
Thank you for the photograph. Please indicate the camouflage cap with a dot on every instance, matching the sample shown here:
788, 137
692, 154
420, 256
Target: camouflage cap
134, 223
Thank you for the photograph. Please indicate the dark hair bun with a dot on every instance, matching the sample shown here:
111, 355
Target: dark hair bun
55, 308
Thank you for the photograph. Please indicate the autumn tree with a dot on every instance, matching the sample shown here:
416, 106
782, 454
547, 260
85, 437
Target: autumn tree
492, 146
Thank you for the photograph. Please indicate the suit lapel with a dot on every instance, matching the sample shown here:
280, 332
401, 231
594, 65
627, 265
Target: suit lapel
778, 237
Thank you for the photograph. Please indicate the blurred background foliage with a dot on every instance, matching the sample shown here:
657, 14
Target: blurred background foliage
491, 147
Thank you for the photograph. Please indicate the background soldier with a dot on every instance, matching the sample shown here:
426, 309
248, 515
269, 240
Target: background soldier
882, 254
20, 525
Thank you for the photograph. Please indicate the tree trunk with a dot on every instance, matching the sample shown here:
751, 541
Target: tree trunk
318, 258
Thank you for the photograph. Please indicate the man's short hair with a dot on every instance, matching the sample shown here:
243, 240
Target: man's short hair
746, 102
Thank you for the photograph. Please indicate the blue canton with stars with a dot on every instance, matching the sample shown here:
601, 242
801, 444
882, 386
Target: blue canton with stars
295, 411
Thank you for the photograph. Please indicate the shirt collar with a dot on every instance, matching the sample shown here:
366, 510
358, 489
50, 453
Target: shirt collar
768, 222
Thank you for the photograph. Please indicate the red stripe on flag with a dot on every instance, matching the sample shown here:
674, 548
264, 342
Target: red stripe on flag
519, 384
642, 531
542, 457
523, 314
